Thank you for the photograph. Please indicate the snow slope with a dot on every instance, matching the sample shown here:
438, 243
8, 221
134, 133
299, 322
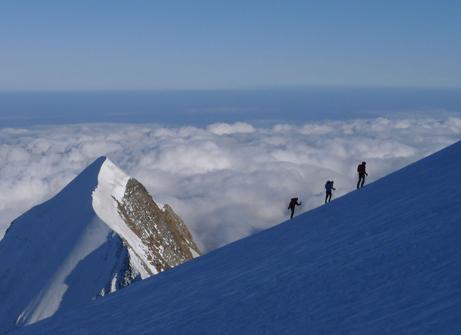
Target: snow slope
382, 260
75, 247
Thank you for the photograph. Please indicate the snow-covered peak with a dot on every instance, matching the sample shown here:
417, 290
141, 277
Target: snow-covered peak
112, 180
97, 235
107, 196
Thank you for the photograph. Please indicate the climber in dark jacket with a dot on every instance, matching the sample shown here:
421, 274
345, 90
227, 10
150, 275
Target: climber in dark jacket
328, 188
361, 169
292, 205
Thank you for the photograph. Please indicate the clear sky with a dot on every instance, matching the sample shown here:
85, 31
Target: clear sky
66, 45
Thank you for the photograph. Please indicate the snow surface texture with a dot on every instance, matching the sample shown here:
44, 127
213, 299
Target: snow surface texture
385, 259
71, 249
217, 176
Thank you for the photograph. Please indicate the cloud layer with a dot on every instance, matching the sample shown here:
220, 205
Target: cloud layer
226, 180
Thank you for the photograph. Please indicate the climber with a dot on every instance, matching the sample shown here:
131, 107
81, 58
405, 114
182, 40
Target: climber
292, 205
361, 169
328, 188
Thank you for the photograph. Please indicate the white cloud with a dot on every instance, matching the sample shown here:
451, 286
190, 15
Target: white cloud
226, 180
228, 129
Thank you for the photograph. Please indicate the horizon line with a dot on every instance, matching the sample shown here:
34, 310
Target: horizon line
233, 89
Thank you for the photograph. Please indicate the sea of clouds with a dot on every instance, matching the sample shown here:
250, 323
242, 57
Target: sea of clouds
226, 180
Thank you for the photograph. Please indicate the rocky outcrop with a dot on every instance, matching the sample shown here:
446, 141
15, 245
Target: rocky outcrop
162, 231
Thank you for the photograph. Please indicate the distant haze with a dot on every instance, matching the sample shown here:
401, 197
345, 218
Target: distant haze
199, 108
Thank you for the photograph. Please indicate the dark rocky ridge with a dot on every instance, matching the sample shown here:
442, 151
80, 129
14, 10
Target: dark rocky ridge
167, 238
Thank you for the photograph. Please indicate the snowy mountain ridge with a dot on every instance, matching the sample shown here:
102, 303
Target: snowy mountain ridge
89, 240
108, 194
384, 259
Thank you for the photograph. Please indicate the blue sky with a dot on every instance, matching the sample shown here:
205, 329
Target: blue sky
86, 45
